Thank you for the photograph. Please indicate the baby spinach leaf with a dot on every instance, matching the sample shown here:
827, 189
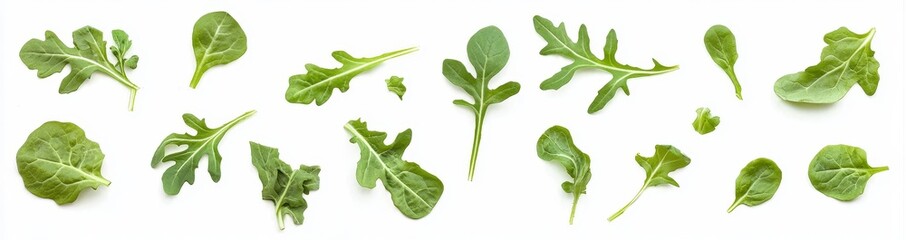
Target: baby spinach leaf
559, 43
488, 52
556, 144
317, 85
57, 162
414, 191
846, 61
841, 171
666, 159
217, 39
721, 45
87, 57
395, 85
204, 143
705, 123
757, 183
285, 186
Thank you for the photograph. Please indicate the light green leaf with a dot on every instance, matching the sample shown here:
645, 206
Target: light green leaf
721, 45
217, 39
841, 171
705, 123
57, 162
757, 183
846, 61
414, 191
559, 43
556, 145
204, 143
666, 159
285, 186
89, 56
395, 85
488, 52
318, 83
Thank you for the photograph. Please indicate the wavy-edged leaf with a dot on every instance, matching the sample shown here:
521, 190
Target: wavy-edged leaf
556, 145
841, 171
285, 186
721, 45
203, 143
217, 39
666, 159
395, 85
757, 183
704, 123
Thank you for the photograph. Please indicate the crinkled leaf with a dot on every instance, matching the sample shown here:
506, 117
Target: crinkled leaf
203, 143
841, 171
705, 123
217, 39
556, 145
395, 85
285, 186
414, 191
666, 159
721, 45
757, 183
57, 162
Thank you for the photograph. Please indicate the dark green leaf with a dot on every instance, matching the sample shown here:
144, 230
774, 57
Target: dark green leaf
285, 186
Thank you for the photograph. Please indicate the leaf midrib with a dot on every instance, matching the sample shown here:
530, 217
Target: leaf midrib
357, 68
364, 141
605, 67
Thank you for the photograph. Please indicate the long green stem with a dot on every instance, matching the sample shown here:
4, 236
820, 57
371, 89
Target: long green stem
233, 122
618, 213
572, 213
476, 141
731, 72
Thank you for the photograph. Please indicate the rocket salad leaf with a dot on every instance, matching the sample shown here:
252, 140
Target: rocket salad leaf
666, 159
285, 186
556, 145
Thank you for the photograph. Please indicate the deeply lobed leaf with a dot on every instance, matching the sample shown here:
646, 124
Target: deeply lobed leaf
285, 186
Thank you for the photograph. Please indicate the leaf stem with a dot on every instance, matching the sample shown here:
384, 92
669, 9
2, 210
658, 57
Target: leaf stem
476, 140
244, 116
620, 212
731, 72
735, 204
132, 93
280, 218
572, 213
879, 169
196, 77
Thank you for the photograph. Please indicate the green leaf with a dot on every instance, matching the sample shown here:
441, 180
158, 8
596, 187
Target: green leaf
559, 43
846, 61
556, 145
841, 171
666, 159
57, 162
488, 52
203, 143
414, 191
285, 186
721, 45
318, 83
395, 85
705, 123
757, 183
87, 57
217, 39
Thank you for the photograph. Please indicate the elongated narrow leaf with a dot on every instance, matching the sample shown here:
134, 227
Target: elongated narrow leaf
57, 162
705, 123
395, 85
414, 191
721, 45
559, 43
841, 171
318, 83
556, 145
488, 52
666, 159
285, 186
203, 143
217, 39
87, 57
757, 183
846, 61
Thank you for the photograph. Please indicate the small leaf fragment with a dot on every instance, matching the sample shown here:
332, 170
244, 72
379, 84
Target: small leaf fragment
705, 123
395, 85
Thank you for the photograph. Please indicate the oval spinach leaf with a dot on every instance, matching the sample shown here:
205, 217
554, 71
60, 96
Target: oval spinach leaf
217, 39
57, 162
285, 186
556, 145
705, 123
721, 45
841, 171
757, 183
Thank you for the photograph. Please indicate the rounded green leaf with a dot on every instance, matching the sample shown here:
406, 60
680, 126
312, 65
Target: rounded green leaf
757, 183
841, 171
217, 39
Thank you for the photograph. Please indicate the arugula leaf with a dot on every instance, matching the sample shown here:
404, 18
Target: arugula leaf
217, 39
395, 85
204, 143
285, 186
559, 43
488, 52
757, 183
414, 191
721, 45
666, 159
705, 123
57, 162
89, 56
556, 144
841, 171
847, 60
317, 85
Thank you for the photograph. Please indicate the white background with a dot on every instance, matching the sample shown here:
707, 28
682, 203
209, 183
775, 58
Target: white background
515, 194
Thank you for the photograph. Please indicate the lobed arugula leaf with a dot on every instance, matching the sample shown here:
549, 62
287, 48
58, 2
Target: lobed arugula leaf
559, 43
841, 171
285, 186
705, 123
666, 159
57, 162
846, 61
757, 183
556, 145
317, 85
87, 57
414, 191
203, 143
721, 45
488, 52
217, 39
395, 85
